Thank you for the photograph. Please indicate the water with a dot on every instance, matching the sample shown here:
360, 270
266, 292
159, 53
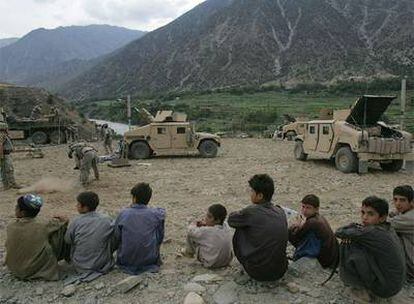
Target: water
119, 128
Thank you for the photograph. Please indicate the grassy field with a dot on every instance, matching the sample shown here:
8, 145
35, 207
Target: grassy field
248, 112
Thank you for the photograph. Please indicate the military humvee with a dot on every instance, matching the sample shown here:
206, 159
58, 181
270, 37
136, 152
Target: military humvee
169, 133
290, 131
355, 137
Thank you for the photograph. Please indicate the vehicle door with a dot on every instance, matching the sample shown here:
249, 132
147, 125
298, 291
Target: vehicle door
180, 135
160, 137
325, 137
311, 141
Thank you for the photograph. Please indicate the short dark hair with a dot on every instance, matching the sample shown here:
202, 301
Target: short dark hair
263, 183
378, 204
406, 191
219, 212
28, 212
88, 199
311, 199
142, 192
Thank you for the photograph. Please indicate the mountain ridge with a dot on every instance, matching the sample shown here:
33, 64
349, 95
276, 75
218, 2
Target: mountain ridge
31, 59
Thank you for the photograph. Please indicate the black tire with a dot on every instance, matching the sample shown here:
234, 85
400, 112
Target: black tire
290, 135
139, 150
208, 148
392, 166
39, 138
54, 137
299, 152
346, 161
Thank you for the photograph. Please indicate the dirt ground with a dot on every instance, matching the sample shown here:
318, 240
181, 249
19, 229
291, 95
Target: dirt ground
185, 187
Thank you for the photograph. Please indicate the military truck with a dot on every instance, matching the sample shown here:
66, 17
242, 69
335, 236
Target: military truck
169, 133
355, 137
290, 131
48, 129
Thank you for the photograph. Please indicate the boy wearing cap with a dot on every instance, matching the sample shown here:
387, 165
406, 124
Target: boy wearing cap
34, 246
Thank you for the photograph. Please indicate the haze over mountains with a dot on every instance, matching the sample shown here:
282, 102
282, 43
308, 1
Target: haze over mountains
243, 42
6, 41
240, 42
48, 57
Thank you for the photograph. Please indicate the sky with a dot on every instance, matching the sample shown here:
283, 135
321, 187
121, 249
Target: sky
18, 17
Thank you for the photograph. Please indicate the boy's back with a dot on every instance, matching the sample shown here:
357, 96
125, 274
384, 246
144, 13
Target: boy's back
90, 235
29, 253
214, 248
260, 240
139, 232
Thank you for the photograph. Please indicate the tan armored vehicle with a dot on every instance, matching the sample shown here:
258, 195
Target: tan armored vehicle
291, 130
355, 137
169, 133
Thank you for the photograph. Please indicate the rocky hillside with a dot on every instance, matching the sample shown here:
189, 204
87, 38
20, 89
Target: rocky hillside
19, 101
6, 41
49, 57
238, 42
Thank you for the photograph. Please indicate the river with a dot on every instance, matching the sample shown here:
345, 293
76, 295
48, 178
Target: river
119, 128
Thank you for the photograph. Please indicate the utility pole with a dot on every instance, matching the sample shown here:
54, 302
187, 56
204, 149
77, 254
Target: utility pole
129, 111
403, 101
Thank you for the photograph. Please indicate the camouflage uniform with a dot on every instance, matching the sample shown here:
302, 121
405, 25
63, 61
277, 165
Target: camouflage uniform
7, 170
86, 158
108, 141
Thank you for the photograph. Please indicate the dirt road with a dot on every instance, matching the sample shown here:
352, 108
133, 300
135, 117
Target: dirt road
186, 187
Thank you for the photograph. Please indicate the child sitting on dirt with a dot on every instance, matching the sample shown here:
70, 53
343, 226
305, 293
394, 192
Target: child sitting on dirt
139, 232
34, 246
403, 223
261, 236
312, 236
90, 236
210, 239
371, 256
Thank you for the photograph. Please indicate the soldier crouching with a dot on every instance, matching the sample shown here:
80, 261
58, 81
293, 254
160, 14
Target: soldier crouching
86, 158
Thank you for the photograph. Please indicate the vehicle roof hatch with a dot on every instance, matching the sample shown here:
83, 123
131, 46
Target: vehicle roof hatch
368, 109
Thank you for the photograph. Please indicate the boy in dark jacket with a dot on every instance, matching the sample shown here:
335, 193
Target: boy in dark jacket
313, 230
260, 240
371, 257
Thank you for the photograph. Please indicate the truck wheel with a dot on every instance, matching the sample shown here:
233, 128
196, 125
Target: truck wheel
290, 135
208, 148
139, 150
39, 138
346, 160
55, 136
393, 166
299, 152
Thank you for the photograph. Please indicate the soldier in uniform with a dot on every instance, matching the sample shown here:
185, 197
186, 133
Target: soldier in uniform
107, 139
36, 112
86, 159
6, 162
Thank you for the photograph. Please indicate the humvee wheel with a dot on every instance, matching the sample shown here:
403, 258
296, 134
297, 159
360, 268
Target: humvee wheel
55, 136
346, 161
208, 148
393, 166
299, 152
139, 150
39, 138
290, 135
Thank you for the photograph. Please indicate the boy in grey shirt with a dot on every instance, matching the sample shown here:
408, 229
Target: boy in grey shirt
210, 239
90, 235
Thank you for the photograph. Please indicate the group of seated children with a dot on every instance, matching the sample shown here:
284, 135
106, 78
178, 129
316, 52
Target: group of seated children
375, 257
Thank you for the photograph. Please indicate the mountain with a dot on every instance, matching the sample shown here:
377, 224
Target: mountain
6, 41
243, 42
48, 57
